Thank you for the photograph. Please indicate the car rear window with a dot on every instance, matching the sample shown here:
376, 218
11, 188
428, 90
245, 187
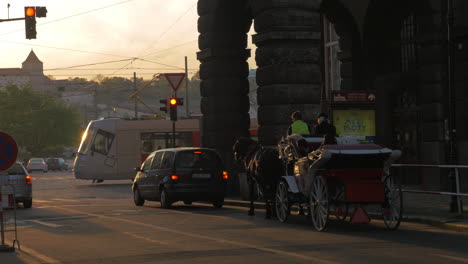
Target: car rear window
52, 161
36, 160
198, 159
16, 169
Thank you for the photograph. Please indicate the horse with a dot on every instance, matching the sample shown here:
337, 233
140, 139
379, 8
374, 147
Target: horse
264, 170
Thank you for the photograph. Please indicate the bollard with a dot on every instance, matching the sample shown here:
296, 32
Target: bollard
3, 247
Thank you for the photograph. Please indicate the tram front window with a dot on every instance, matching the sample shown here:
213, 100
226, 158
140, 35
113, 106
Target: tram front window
85, 140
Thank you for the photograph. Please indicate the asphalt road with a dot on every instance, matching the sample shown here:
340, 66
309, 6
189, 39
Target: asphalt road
76, 221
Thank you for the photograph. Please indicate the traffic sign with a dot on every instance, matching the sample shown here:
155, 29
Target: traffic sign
175, 79
8, 151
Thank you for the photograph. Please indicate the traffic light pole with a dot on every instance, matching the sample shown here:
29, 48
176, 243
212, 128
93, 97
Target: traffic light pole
173, 134
11, 19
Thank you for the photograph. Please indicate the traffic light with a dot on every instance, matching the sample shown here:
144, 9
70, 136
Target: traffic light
30, 14
173, 102
163, 108
30, 22
41, 11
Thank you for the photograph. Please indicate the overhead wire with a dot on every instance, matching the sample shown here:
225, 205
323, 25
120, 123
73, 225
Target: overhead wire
74, 15
170, 27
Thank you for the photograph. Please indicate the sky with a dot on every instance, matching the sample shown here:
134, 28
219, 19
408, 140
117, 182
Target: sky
160, 33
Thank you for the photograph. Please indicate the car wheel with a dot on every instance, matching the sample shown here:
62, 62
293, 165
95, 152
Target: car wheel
27, 203
218, 203
165, 202
139, 201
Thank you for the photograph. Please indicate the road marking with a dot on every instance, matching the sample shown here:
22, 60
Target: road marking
34, 254
315, 259
65, 200
44, 223
147, 239
42, 201
464, 260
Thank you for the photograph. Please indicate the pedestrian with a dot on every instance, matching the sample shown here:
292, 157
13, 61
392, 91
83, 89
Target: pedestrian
323, 126
298, 126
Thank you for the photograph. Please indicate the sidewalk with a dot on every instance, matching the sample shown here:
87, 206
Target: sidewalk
420, 208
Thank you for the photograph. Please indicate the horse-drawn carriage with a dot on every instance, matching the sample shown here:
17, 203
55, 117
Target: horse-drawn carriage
321, 180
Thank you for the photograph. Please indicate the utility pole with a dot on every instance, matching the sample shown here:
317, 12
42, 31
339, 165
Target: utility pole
187, 109
135, 89
95, 103
455, 203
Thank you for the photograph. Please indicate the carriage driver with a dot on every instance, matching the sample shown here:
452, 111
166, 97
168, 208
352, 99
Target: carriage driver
298, 126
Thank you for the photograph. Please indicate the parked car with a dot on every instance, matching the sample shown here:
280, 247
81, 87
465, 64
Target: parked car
37, 164
57, 164
181, 174
18, 177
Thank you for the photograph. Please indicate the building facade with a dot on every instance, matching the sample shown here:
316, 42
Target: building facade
305, 49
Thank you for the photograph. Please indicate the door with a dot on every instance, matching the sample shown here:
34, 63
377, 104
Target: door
163, 173
143, 181
153, 187
406, 136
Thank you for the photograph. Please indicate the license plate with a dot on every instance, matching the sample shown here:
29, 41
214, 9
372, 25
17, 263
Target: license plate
201, 175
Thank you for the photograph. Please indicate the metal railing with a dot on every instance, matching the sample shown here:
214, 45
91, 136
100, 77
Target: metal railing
456, 194
8, 217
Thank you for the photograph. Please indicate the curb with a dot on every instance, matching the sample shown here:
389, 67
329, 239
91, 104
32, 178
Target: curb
447, 224
6, 248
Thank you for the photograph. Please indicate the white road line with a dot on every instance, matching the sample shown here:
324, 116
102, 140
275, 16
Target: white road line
464, 260
65, 200
147, 239
34, 254
45, 223
315, 259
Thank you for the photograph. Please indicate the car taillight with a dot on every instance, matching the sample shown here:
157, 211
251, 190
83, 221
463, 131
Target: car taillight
174, 177
225, 175
43, 164
28, 179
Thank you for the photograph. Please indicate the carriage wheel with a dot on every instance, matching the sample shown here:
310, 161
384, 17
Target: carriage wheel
319, 203
393, 206
283, 206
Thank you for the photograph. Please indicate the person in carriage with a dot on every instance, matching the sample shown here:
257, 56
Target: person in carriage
323, 126
298, 126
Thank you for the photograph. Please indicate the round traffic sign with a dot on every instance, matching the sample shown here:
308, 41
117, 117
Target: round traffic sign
8, 151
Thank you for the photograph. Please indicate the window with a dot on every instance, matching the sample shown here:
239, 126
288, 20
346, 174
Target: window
147, 164
102, 142
167, 160
16, 169
157, 160
332, 63
151, 141
198, 159
409, 30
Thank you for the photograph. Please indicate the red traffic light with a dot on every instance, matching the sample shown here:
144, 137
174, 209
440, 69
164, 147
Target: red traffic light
173, 101
30, 11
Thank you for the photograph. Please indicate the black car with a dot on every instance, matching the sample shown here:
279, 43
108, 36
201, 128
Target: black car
181, 174
56, 164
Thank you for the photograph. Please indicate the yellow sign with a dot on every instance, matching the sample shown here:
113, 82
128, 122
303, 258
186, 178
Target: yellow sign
356, 123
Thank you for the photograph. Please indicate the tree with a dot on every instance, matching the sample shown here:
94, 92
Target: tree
39, 123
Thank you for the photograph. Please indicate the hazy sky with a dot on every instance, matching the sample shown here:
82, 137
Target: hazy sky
86, 32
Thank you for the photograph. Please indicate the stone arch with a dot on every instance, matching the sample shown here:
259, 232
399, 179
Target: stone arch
223, 27
349, 41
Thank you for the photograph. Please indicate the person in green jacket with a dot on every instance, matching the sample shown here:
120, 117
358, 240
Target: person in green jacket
298, 126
